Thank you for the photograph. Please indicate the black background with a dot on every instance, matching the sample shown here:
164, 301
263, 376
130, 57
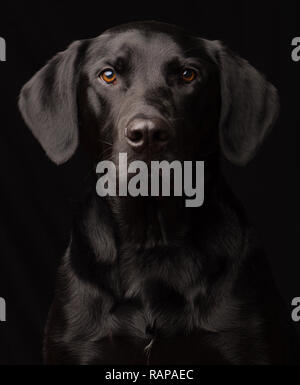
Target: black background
35, 195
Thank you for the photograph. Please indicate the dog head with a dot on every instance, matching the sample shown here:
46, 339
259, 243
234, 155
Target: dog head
152, 91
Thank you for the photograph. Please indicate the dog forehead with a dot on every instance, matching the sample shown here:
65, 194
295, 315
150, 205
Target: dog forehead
155, 45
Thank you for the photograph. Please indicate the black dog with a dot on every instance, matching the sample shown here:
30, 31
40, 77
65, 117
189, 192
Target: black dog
147, 280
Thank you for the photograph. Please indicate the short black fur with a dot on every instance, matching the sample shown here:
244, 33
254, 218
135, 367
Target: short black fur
147, 280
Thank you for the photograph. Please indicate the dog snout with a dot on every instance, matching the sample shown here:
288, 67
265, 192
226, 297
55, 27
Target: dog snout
147, 134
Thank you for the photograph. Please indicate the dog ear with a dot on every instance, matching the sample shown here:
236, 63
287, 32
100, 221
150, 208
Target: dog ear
249, 105
48, 104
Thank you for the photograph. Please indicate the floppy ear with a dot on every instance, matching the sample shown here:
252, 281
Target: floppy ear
48, 104
249, 107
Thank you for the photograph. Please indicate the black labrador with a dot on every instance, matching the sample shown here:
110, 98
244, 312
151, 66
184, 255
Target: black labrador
146, 280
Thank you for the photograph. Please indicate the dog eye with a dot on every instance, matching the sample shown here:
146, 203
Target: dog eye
188, 75
109, 76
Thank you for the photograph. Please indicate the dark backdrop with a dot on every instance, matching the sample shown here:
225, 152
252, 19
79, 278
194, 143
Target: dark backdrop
35, 195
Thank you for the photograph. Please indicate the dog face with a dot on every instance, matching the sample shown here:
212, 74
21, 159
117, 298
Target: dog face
152, 91
159, 96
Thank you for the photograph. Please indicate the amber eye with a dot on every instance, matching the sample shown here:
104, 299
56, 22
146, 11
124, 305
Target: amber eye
188, 75
109, 76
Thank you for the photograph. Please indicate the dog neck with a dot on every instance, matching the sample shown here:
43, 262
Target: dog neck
148, 222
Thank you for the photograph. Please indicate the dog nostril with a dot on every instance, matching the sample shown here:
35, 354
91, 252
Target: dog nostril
136, 136
160, 136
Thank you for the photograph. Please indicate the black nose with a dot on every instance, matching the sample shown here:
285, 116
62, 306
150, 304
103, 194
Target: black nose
153, 134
